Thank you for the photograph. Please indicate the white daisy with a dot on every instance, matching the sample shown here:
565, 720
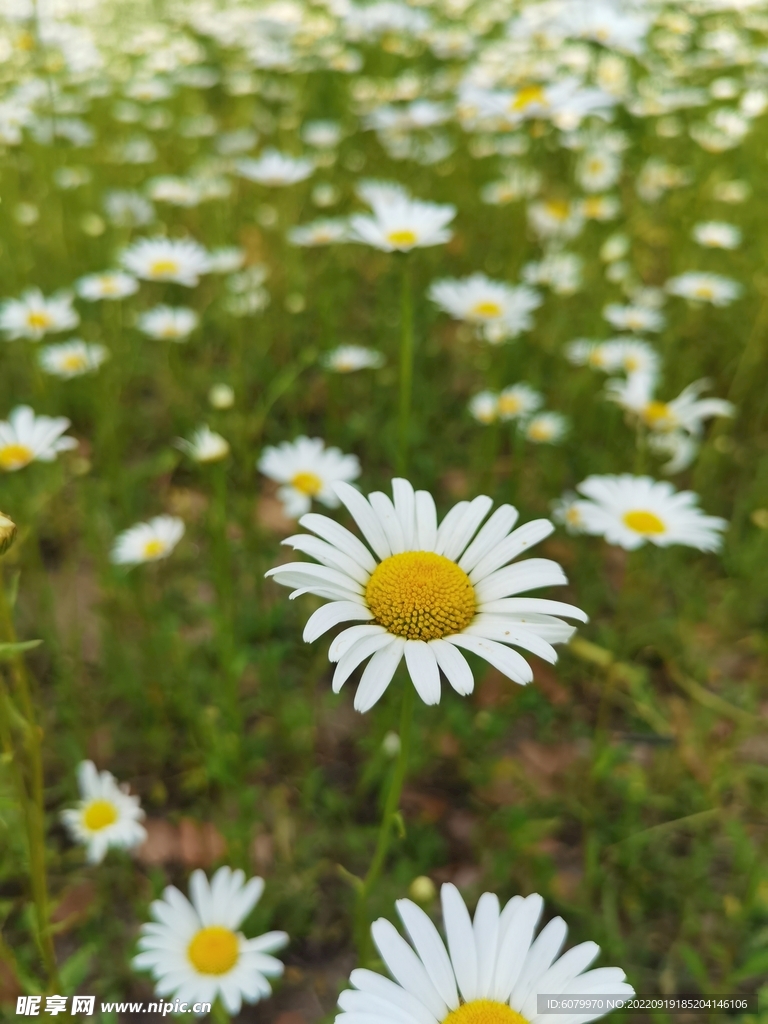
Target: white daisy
147, 542
633, 318
491, 972
348, 358
518, 401
555, 219
717, 235
168, 323
600, 208
399, 223
560, 271
205, 445
484, 407
703, 287
72, 358
429, 591
113, 285
565, 512
497, 308
226, 260
107, 815
633, 356
598, 170
307, 471
26, 438
630, 510
33, 316
319, 232
545, 428
274, 169
194, 950
166, 259
687, 412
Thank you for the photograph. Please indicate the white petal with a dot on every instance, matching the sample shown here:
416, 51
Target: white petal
515, 945
378, 674
387, 516
461, 940
429, 946
493, 533
331, 615
560, 974
319, 573
513, 579
486, 929
496, 627
521, 605
378, 985
426, 522
540, 957
454, 665
328, 555
405, 967
350, 636
423, 670
466, 526
340, 537
405, 506
503, 658
522, 539
357, 654
363, 514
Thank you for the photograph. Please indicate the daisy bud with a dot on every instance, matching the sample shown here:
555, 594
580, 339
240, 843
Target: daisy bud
221, 396
422, 889
391, 744
7, 533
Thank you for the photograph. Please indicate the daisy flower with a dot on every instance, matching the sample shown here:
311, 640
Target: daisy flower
717, 235
490, 970
226, 260
107, 815
205, 445
33, 316
555, 219
502, 309
545, 428
702, 287
147, 542
348, 358
631, 355
517, 401
687, 412
630, 510
319, 232
565, 511
634, 318
166, 259
26, 438
399, 223
307, 470
560, 271
168, 323
193, 947
598, 170
112, 284
274, 168
484, 407
72, 358
427, 591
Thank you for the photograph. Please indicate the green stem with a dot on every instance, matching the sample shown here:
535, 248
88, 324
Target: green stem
219, 1013
224, 589
362, 931
406, 370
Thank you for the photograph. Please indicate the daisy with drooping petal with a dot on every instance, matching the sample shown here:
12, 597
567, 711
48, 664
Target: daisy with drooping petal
348, 358
687, 412
491, 970
427, 591
500, 310
194, 949
112, 284
165, 259
701, 287
399, 223
168, 323
307, 471
631, 510
71, 358
147, 542
34, 315
205, 445
106, 816
26, 438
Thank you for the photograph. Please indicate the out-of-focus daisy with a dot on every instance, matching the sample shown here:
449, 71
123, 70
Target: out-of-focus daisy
430, 591
500, 310
175, 191
319, 232
33, 315
702, 287
565, 511
399, 223
72, 358
168, 323
307, 471
555, 219
598, 170
490, 970
221, 396
484, 407
107, 815
113, 284
226, 260
632, 510
560, 271
166, 259
600, 208
26, 438
194, 949
322, 134
127, 209
147, 542
717, 235
628, 355
633, 318
614, 248
275, 169
686, 412
545, 428
348, 358
205, 445
518, 401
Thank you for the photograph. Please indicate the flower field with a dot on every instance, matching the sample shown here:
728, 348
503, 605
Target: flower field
315, 317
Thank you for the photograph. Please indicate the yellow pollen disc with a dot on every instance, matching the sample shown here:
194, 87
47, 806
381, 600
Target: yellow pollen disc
164, 268
642, 521
15, 456
634, 322
484, 1011
573, 517
25, 41
154, 548
655, 413
39, 320
74, 362
308, 483
509, 405
213, 950
593, 206
540, 431
108, 286
421, 596
98, 814
487, 310
558, 209
402, 239
703, 291
631, 364
527, 96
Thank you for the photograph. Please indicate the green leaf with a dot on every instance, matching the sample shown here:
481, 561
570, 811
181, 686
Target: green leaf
9, 651
74, 971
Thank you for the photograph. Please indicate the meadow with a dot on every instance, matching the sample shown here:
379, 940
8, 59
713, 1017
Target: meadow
259, 260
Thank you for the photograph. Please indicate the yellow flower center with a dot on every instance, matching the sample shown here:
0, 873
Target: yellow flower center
487, 310
529, 95
509, 405
558, 209
402, 239
109, 286
39, 319
593, 206
169, 330
655, 413
421, 596
164, 268
573, 517
484, 1011
15, 456
539, 431
74, 361
214, 950
703, 291
154, 548
98, 814
25, 41
642, 521
635, 322
308, 483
